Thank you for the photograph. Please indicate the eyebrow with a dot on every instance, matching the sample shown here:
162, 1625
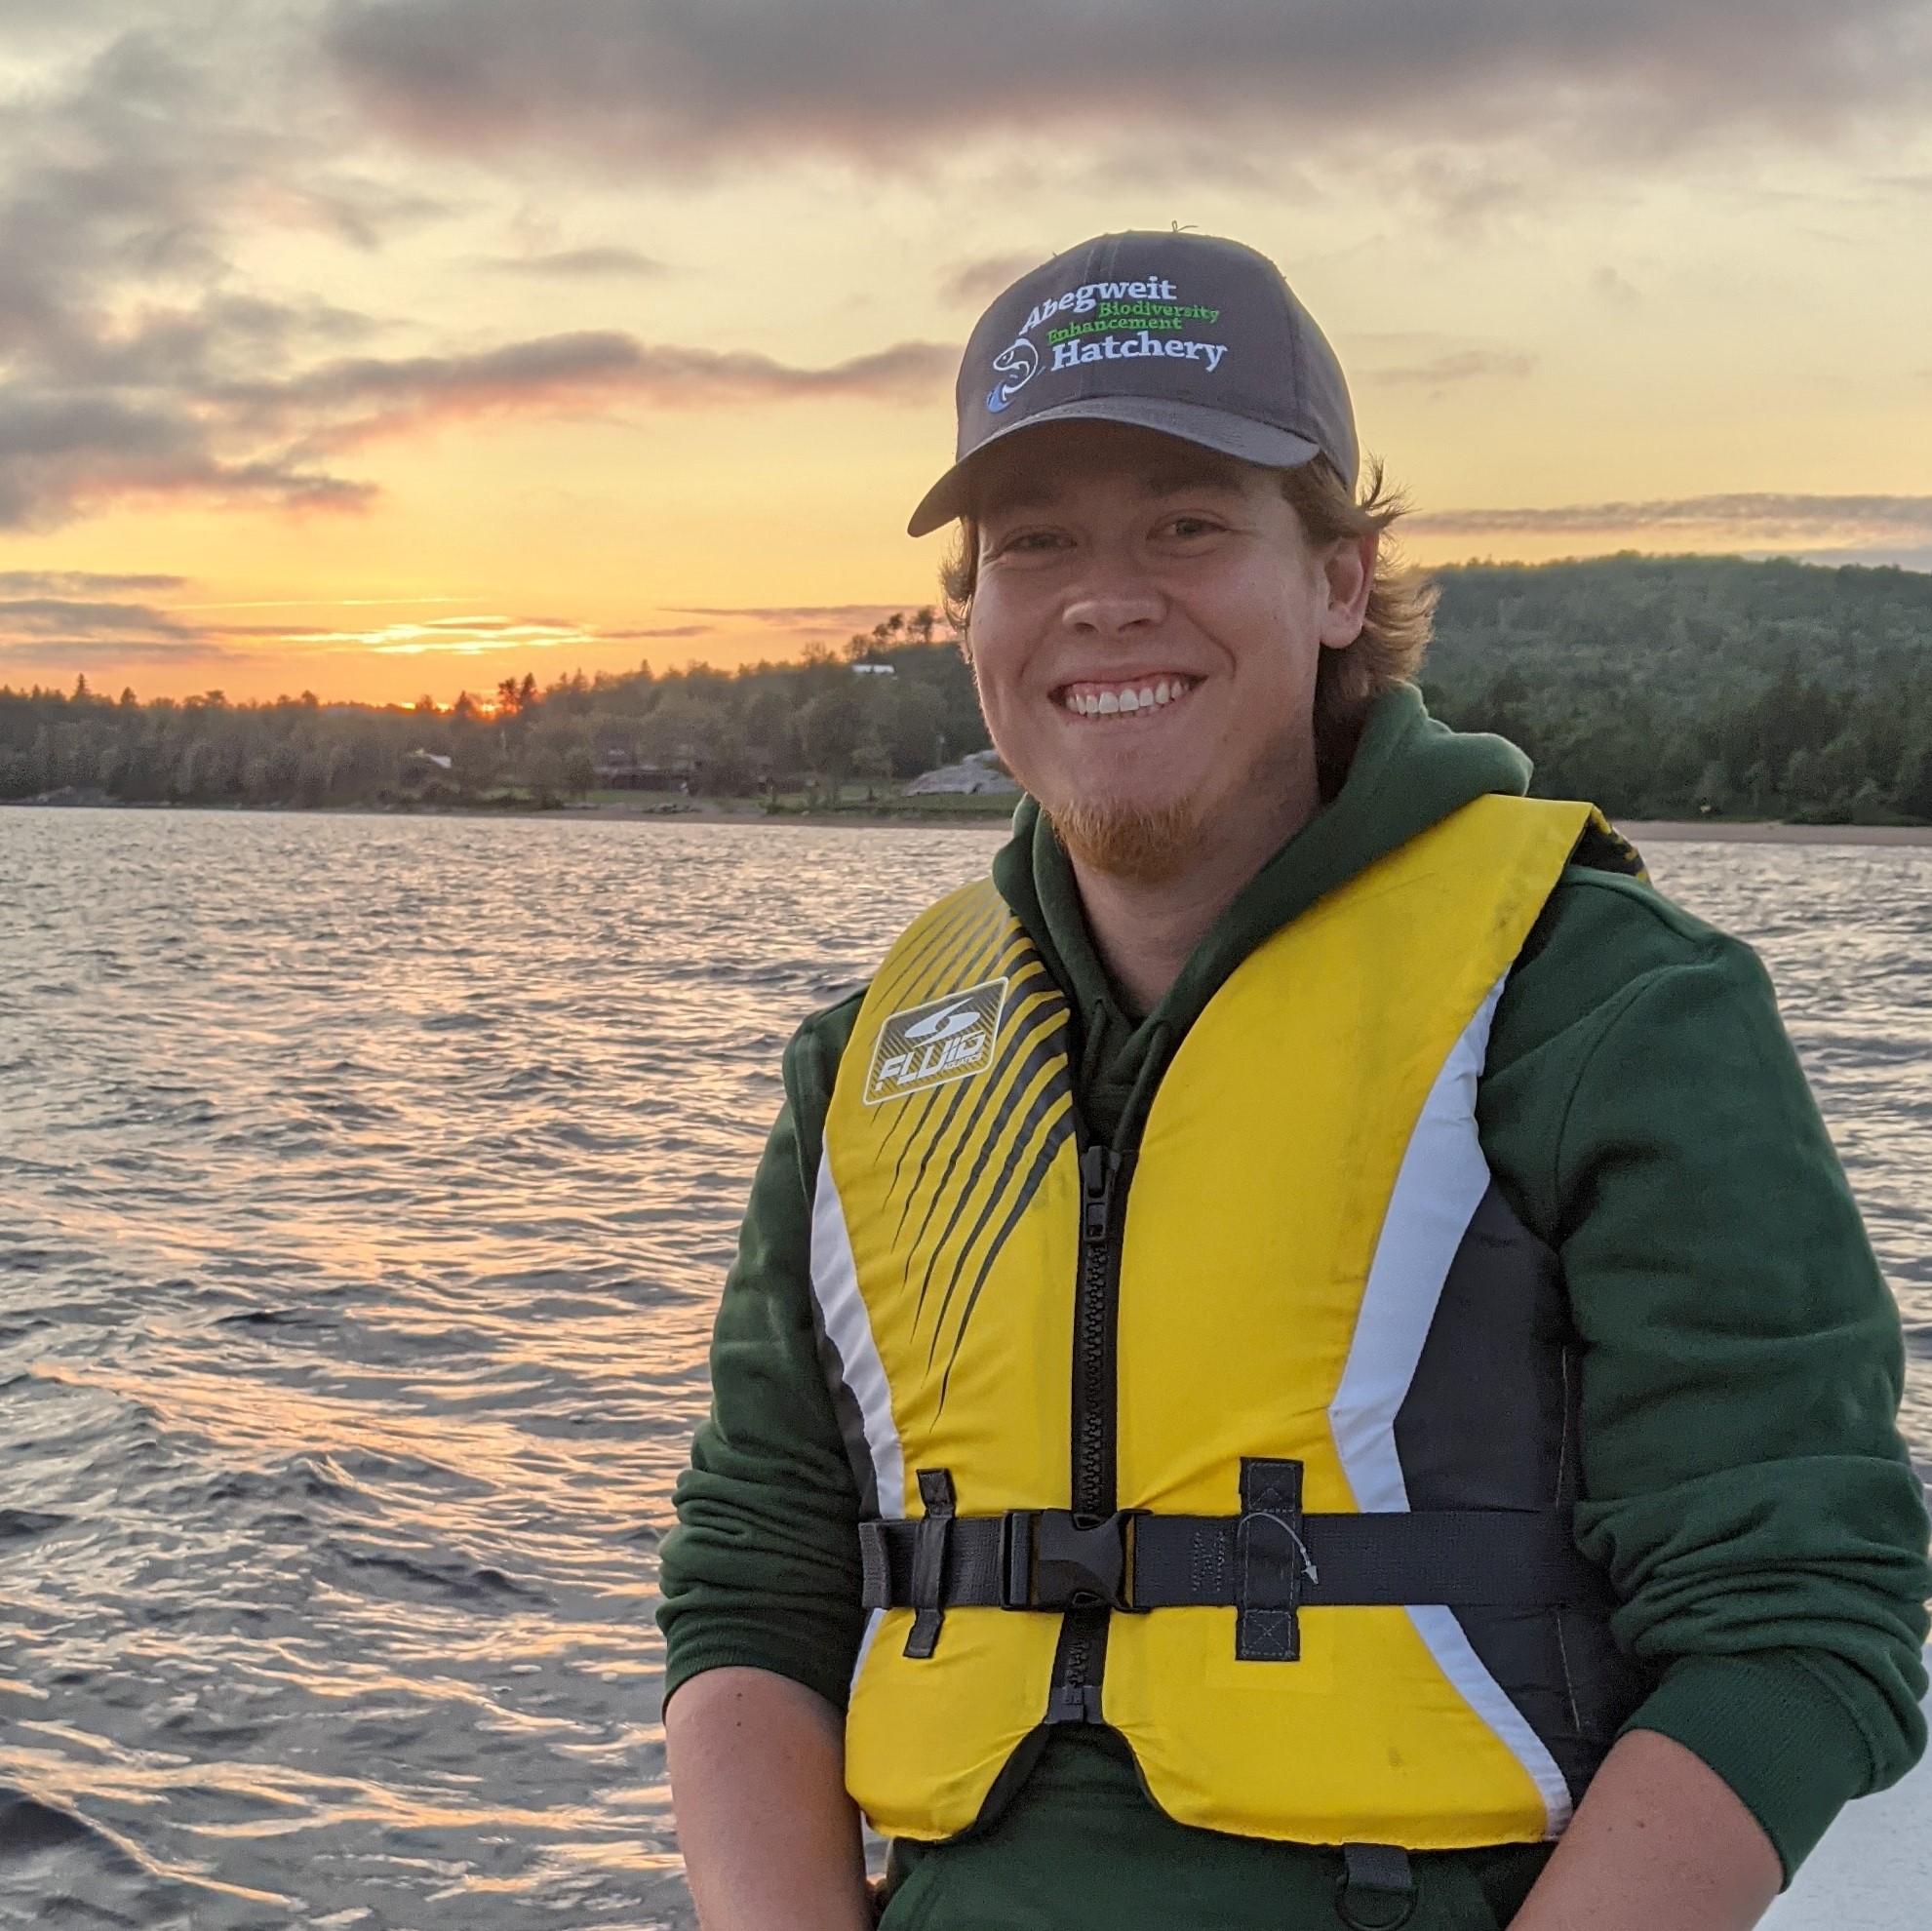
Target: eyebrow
1171, 481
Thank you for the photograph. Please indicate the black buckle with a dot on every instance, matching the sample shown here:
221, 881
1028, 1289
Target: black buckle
1055, 1560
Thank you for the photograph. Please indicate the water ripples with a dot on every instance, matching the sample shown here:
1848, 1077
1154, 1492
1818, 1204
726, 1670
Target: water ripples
367, 1188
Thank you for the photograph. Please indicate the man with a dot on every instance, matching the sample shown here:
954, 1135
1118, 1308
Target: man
1301, 1354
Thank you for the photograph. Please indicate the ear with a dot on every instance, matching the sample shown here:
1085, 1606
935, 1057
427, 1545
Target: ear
1348, 572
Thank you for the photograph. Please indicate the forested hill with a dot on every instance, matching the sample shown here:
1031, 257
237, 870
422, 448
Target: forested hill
1658, 687
1690, 631
1680, 686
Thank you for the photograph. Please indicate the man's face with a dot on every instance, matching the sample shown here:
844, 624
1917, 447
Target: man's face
1145, 634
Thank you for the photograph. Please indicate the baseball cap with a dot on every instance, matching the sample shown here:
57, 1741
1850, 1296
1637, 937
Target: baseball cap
1189, 335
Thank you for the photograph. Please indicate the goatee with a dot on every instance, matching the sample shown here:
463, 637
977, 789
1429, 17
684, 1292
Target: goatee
1128, 842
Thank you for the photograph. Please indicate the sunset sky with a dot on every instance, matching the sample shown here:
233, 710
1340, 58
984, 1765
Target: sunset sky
388, 347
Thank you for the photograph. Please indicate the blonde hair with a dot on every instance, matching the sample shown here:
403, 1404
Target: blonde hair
1396, 628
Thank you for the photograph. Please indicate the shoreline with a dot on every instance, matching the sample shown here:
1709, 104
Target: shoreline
1640, 831
1765, 830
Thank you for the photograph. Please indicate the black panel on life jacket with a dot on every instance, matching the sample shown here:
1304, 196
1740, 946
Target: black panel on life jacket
1490, 1421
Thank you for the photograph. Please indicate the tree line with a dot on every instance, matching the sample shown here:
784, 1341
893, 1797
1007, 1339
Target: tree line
1689, 686
1658, 687
893, 702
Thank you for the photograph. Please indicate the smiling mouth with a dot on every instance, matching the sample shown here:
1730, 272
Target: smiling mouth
1124, 698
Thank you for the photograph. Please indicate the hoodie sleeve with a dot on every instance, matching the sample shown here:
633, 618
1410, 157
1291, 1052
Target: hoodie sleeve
1746, 1486
763, 1569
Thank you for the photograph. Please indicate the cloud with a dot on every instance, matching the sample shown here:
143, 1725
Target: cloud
79, 582
349, 400
568, 262
59, 656
823, 616
139, 361
894, 79
1751, 520
974, 284
1820, 529
40, 627
63, 454
1615, 288
63, 617
230, 435
1456, 366
60, 621
120, 181
451, 636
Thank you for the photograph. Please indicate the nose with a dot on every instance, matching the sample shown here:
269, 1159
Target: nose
1114, 598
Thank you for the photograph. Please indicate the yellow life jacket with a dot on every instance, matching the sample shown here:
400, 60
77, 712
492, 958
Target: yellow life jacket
1266, 1459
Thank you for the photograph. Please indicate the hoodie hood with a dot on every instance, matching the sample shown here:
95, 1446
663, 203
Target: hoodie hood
1410, 771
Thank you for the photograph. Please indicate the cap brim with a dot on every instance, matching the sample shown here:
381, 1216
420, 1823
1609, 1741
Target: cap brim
1236, 436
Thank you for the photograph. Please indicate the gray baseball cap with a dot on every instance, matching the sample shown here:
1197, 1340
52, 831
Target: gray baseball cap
1189, 335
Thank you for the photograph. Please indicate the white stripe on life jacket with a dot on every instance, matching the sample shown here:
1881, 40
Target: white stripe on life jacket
1443, 1179
847, 1327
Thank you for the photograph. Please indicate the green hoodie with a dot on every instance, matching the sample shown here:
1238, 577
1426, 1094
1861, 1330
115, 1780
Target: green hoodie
1746, 1486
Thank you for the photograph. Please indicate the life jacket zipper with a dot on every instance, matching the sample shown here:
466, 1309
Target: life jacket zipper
1081, 1654
1095, 1318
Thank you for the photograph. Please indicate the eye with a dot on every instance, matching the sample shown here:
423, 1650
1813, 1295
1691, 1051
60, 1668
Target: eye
1192, 524
1029, 542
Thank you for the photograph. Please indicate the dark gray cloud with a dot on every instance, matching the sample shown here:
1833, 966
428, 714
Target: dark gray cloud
65, 452
41, 629
886, 78
62, 617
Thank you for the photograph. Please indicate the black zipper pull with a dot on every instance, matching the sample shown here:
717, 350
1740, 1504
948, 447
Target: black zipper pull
1099, 1168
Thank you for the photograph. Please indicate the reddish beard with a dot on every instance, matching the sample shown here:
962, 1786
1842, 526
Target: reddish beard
1135, 843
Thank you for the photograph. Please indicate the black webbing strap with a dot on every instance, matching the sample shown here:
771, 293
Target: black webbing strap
927, 1595
1462, 1557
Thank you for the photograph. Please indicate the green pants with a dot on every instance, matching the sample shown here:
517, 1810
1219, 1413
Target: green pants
1081, 1849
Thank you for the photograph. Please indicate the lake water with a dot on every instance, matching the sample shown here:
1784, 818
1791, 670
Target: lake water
366, 1186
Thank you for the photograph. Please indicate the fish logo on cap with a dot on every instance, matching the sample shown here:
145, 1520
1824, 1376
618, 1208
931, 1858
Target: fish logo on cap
1019, 361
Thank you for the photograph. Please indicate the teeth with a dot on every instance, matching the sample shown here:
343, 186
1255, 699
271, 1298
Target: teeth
1119, 703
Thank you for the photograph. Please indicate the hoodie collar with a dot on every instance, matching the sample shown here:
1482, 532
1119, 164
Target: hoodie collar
1410, 771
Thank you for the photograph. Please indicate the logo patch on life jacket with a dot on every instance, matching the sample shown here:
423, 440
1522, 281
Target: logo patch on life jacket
945, 1038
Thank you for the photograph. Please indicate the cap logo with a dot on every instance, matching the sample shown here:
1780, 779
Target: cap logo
1019, 363
1119, 322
